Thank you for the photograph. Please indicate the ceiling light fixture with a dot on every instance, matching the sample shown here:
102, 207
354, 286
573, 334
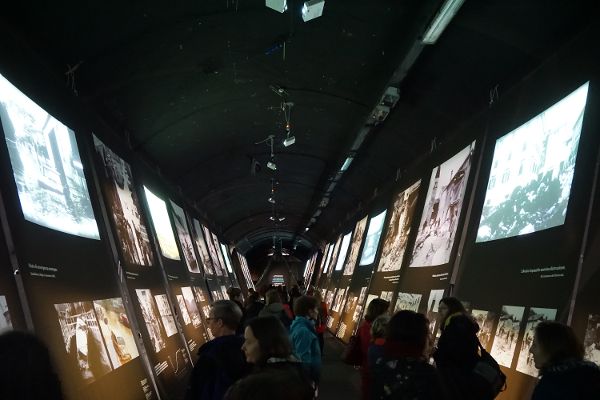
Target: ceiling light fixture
271, 200
277, 5
441, 20
271, 165
312, 9
281, 219
346, 164
289, 140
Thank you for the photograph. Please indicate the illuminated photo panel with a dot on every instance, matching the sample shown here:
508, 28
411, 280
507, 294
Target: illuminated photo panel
225, 252
165, 314
394, 244
184, 313
332, 249
213, 251
408, 301
46, 166
343, 251
591, 341
162, 225
5, 320
535, 315
150, 315
532, 171
359, 234
85, 348
116, 330
190, 303
485, 320
372, 240
507, 334
185, 239
202, 249
441, 212
124, 206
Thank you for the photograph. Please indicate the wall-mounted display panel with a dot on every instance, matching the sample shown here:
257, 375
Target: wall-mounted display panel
185, 238
162, 225
530, 181
372, 240
357, 239
202, 247
442, 209
343, 252
125, 210
47, 168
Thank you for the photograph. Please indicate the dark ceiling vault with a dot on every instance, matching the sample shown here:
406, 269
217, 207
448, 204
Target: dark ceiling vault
192, 86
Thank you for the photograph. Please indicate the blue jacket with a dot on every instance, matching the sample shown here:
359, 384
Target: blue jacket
306, 346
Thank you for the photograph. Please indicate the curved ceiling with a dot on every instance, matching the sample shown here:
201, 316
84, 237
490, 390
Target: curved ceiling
193, 86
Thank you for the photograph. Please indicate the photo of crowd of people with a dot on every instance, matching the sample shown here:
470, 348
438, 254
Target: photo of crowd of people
535, 315
485, 320
507, 335
166, 315
150, 315
591, 342
408, 301
115, 327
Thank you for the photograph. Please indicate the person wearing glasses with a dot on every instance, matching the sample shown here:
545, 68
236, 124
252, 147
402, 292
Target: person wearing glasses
221, 361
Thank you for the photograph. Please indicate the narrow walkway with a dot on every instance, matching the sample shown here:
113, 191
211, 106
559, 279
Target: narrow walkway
338, 380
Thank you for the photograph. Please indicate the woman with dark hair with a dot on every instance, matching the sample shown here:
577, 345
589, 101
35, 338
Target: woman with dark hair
403, 372
375, 308
267, 346
564, 373
458, 349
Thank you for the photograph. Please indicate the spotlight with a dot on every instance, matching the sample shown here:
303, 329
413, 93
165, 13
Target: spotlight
312, 9
306, 229
281, 219
271, 165
288, 141
271, 200
441, 20
277, 5
272, 218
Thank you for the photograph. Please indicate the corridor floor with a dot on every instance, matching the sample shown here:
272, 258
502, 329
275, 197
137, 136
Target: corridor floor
338, 380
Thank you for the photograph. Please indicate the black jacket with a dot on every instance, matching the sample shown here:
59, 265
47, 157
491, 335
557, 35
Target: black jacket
572, 380
406, 379
220, 363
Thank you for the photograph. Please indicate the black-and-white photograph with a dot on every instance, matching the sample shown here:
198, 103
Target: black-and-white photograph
124, 206
329, 297
334, 255
369, 250
442, 209
591, 341
212, 250
86, 353
357, 238
116, 330
185, 239
150, 314
46, 166
485, 320
206, 311
408, 301
246, 271
220, 261
201, 297
341, 330
357, 315
507, 334
191, 305
224, 294
394, 244
362, 295
350, 304
165, 314
202, 249
387, 295
217, 295
532, 170
5, 321
525, 362
343, 251
226, 257
433, 303
162, 225
184, 313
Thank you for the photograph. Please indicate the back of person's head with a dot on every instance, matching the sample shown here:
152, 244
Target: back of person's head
271, 384
272, 296
234, 293
228, 312
379, 326
454, 305
252, 298
303, 304
273, 338
26, 371
410, 328
558, 342
317, 295
375, 308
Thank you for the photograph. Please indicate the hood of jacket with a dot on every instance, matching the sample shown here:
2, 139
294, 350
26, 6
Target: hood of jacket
302, 322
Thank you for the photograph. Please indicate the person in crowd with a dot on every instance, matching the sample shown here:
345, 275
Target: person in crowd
253, 307
274, 308
26, 370
457, 349
304, 338
375, 308
321, 321
271, 385
558, 354
221, 361
294, 294
403, 372
267, 346
235, 295
378, 331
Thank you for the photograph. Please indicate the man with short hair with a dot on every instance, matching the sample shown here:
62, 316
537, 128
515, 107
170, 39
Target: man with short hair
221, 361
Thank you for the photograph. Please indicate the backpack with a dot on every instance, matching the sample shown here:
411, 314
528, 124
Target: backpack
487, 375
